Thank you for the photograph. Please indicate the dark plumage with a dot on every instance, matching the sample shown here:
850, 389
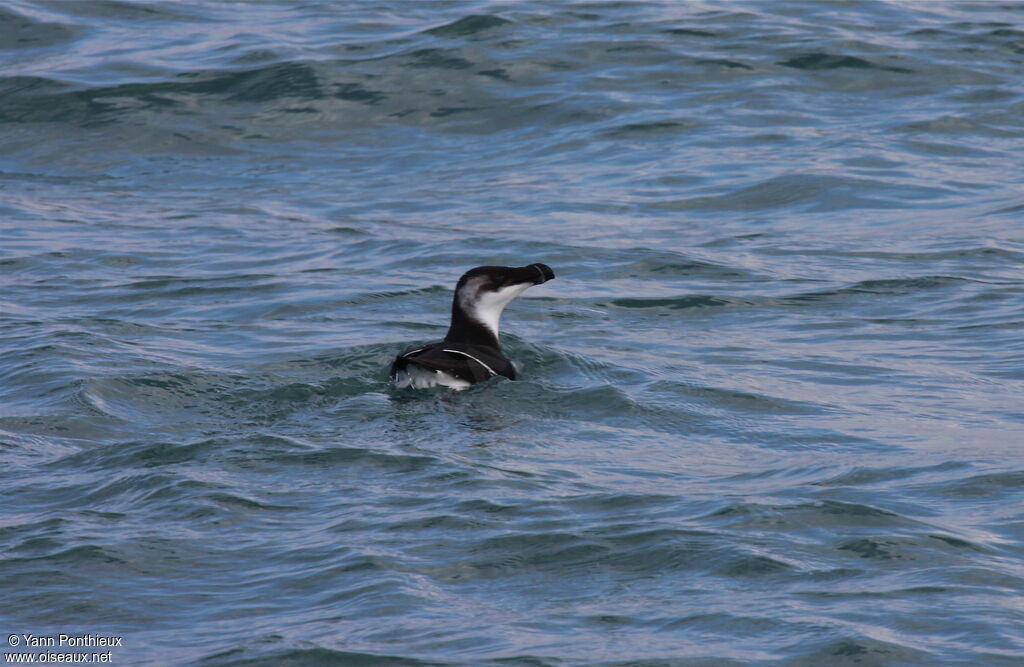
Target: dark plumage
471, 351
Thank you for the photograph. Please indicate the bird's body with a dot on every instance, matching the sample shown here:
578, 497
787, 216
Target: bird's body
471, 351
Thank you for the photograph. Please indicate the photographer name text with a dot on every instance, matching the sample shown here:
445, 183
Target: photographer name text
63, 641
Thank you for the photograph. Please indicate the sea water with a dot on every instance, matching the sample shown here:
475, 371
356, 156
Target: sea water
769, 411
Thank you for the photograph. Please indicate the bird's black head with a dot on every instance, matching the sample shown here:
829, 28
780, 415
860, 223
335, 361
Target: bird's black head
482, 294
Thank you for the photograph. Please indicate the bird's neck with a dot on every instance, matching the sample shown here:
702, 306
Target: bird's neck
472, 330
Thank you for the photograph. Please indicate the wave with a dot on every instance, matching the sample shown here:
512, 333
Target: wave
893, 287
826, 61
813, 193
19, 31
41, 100
468, 26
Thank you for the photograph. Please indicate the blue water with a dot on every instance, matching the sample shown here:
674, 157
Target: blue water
769, 412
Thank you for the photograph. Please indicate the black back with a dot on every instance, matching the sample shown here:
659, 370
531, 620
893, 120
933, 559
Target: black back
472, 363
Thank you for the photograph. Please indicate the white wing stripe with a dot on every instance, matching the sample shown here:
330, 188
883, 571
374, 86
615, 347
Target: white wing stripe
489, 369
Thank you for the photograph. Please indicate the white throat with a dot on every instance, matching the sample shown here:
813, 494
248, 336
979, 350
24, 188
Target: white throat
486, 306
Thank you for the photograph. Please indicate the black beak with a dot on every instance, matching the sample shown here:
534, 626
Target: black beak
541, 273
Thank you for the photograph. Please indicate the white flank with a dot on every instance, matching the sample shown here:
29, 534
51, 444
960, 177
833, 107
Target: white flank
418, 377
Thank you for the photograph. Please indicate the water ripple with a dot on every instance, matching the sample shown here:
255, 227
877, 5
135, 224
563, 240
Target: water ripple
767, 413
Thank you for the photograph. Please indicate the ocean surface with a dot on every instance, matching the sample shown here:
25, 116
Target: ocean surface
771, 410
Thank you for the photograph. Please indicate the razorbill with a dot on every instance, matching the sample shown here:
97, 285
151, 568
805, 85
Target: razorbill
470, 352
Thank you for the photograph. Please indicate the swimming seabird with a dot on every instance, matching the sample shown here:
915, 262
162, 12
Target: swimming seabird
470, 352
